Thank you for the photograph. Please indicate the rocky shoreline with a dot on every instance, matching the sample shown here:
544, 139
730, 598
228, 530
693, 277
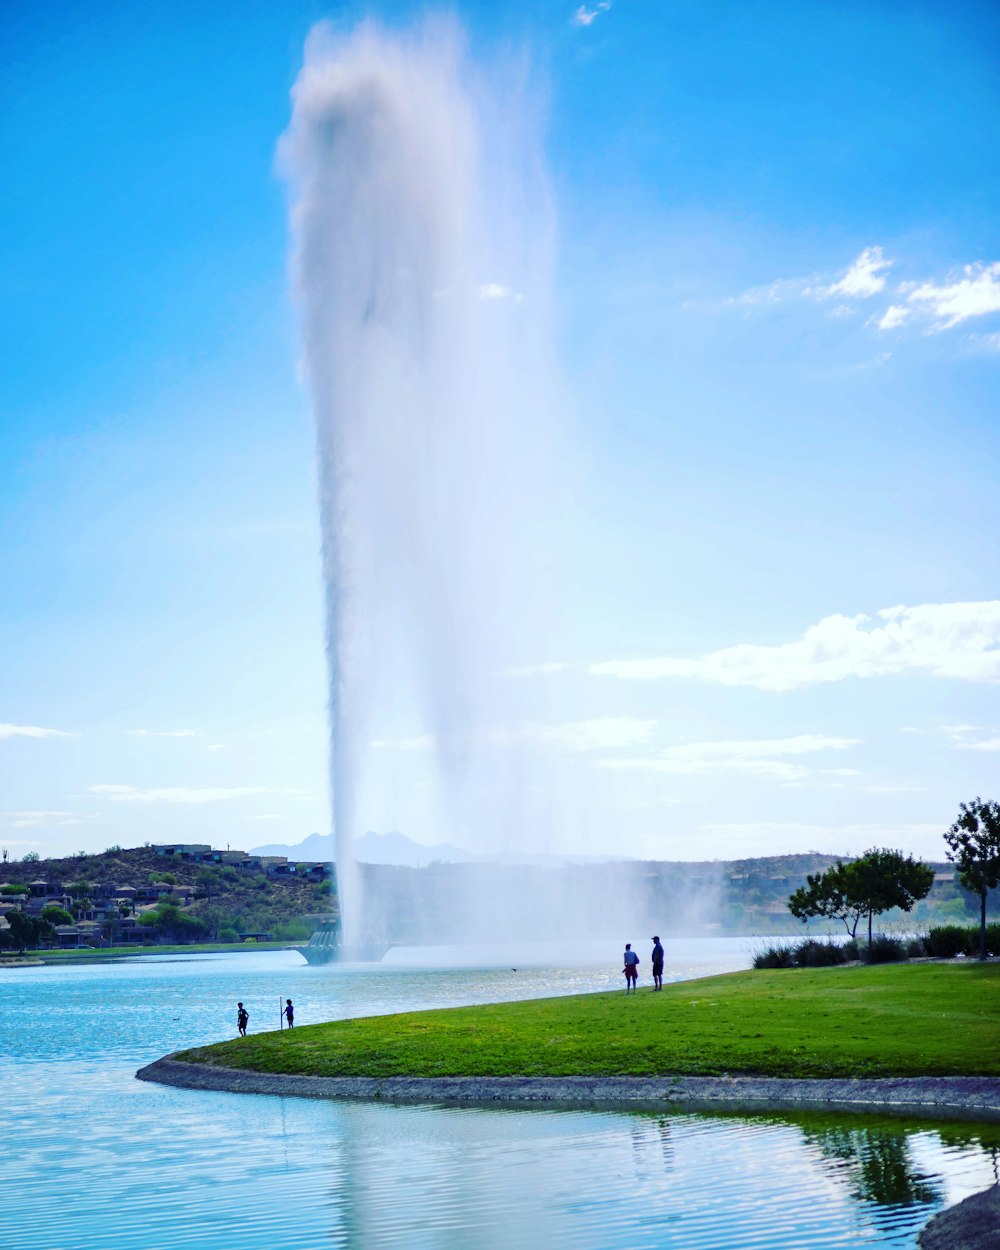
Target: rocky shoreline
943, 1098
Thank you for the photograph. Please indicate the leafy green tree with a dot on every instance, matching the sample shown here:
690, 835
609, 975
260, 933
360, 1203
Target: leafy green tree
25, 931
32, 857
974, 847
207, 882
868, 886
56, 915
14, 890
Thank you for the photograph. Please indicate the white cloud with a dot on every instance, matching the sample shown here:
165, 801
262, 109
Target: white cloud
861, 280
600, 734
988, 744
534, 670
954, 640
165, 733
586, 17
761, 757
180, 794
975, 295
32, 820
864, 278
32, 731
495, 290
422, 742
216, 746
893, 316
776, 292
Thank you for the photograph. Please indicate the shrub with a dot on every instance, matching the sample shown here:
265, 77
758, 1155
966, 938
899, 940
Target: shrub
916, 948
775, 957
948, 940
883, 949
851, 951
228, 935
811, 953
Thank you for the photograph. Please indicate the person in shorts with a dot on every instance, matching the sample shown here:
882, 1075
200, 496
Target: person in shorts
657, 964
631, 968
289, 1013
242, 1019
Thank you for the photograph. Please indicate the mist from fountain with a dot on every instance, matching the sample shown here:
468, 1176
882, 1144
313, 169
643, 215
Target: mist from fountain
422, 263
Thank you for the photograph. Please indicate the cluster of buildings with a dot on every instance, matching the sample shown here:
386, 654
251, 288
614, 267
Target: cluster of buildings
115, 911
274, 866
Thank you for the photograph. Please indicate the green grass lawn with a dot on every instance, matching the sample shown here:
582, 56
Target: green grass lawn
888, 1020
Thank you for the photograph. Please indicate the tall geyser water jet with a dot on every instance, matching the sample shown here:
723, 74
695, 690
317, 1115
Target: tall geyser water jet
422, 270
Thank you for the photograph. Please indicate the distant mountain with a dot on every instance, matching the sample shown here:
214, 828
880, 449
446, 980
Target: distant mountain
375, 848
398, 849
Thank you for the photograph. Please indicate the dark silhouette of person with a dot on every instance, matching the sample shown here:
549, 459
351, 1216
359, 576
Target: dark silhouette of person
657, 964
289, 1013
242, 1019
631, 968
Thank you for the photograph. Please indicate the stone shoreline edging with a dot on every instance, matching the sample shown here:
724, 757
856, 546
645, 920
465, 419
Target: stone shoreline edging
973, 1224
941, 1098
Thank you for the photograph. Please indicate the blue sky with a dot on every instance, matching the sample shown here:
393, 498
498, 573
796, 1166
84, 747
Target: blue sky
778, 328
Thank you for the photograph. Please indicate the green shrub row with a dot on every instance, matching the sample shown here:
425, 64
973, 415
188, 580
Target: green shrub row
947, 941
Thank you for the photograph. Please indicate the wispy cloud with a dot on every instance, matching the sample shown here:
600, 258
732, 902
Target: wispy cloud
600, 734
895, 315
166, 733
538, 670
956, 640
586, 17
419, 742
496, 290
762, 757
181, 794
33, 820
864, 278
32, 731
986, 744
939, 305
974, 295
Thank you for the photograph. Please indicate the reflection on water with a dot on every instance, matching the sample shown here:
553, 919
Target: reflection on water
104, 1161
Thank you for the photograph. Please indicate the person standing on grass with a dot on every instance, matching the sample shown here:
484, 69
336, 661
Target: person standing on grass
657, 964
631, 968
242, 1019
289, 1013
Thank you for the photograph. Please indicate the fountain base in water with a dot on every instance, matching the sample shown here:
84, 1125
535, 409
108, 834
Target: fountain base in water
325, 947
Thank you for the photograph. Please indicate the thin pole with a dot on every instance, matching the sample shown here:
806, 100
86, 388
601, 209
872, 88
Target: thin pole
281, 1016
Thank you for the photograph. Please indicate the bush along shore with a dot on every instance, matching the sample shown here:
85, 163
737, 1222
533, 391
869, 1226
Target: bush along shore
886, 1021
943, 942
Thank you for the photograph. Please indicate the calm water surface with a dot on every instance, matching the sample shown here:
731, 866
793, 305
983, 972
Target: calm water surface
98, 1160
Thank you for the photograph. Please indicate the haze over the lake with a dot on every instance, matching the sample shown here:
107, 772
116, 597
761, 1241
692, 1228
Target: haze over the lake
767, 247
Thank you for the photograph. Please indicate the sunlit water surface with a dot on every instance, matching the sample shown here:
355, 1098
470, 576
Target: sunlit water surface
97, 1159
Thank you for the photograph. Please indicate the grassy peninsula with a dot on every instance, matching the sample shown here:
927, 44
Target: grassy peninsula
881, 1021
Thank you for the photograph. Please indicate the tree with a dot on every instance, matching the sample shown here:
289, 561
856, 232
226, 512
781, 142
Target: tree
868, 886
32, 857
974, 847
25, 930
55, 914
207, 881
827, 894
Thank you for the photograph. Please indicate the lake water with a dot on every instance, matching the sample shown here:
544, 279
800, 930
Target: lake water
96, 1160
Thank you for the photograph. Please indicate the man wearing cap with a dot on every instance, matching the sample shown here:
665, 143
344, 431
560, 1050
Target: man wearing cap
657, 964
